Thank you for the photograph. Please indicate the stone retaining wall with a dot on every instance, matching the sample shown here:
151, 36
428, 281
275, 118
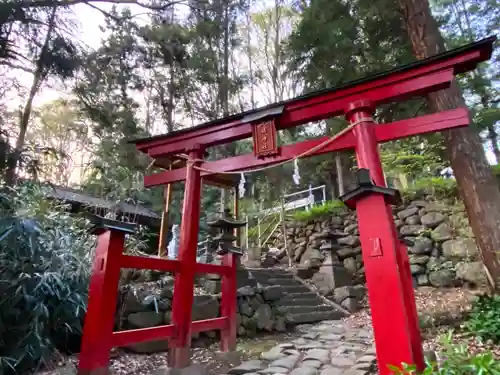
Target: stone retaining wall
151, 305
444, 255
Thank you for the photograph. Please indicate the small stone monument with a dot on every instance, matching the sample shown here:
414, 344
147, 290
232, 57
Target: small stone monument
173, 245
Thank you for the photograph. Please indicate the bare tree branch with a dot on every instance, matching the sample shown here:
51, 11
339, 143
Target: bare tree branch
63, 3
16, 66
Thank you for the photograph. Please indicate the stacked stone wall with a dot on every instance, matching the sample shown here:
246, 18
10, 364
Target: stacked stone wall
149, 304
445, 253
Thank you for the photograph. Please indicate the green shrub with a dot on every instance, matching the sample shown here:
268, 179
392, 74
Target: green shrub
438, 187
484, 318
456, 361
316, 212
44, 269
496, 171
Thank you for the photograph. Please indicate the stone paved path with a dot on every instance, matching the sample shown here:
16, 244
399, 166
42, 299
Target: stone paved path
327, 348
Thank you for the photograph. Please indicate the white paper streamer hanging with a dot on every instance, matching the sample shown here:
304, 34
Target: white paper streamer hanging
296, 175
241, 186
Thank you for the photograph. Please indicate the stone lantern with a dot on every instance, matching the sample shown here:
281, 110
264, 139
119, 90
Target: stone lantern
221, 244
224, 241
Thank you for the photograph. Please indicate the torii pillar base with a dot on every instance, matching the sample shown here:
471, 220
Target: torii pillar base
388, 276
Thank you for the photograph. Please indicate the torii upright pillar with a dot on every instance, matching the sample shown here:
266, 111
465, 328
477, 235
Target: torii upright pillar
394, 321
180, 344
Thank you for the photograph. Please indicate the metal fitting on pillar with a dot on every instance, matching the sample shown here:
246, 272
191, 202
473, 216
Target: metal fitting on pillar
365, 187
359, 108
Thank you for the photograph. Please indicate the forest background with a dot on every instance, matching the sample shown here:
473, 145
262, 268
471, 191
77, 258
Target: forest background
75, 90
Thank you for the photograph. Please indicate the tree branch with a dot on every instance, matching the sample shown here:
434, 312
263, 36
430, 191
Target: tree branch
62, 3
15, 66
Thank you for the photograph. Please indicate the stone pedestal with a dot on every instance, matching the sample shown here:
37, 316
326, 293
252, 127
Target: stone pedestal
252, 257
212, 283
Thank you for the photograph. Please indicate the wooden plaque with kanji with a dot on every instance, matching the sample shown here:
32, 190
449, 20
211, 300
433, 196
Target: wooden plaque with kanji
265, 139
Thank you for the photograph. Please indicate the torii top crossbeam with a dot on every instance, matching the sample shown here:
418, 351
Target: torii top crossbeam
408, 81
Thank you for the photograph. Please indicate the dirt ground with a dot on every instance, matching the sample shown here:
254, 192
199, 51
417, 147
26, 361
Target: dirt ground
439, 311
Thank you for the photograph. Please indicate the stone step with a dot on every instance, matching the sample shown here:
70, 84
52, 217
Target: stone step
299, 304
273, 276
306, 301
300, 295
278, 269
267, 280
269, 273
313, 317
309, 294
285, 310
280, 281
287, 289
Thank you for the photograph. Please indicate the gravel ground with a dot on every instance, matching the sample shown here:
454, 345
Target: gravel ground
208, 355
439, 310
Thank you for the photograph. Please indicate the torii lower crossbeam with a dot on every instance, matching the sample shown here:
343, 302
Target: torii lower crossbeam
383, 133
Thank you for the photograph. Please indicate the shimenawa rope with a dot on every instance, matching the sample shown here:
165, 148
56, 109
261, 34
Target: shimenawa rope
294, 159
305, 153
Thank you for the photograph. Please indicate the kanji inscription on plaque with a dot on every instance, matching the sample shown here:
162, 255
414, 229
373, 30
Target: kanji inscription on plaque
264, 139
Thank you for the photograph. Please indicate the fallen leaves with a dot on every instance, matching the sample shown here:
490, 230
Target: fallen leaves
216, 362
439, 310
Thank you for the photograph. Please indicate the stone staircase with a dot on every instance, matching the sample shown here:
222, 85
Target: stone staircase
299, 304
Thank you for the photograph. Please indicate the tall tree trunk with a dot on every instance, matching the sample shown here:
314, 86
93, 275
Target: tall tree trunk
476, 183
348, 169
278, 94
225, 79
38, 77
250, 60
340, 174
171, 93
493, 138
492, 132
468, 33
224, 94
171, 84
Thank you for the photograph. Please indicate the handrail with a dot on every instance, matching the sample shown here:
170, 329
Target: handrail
276, 221
279, 211
259, 223
269, 224
289, 205
272, 232
304, 191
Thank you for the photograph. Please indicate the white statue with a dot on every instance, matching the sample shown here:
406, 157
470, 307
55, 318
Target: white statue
173, 245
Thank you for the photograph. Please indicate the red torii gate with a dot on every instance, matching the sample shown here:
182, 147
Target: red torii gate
388, 276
